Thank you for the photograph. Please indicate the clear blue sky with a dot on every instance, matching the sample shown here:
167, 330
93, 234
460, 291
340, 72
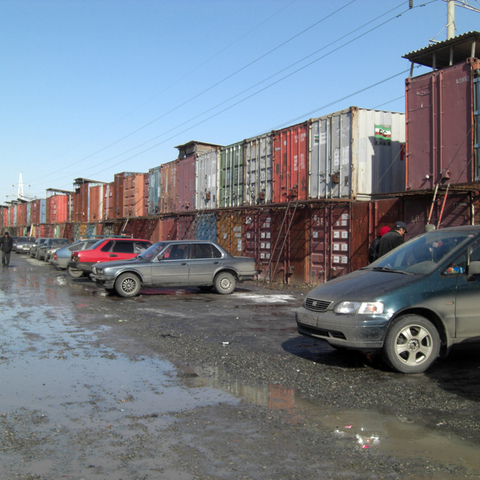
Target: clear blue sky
90, 88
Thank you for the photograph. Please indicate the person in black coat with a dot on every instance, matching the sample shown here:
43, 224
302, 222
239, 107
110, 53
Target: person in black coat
6, 245
392, 239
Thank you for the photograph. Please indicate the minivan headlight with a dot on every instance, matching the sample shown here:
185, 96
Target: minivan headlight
368, 308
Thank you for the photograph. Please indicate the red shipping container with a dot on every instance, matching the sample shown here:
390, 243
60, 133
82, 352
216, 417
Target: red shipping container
290, 169
22, 214
95, 209
140, 195
440, 127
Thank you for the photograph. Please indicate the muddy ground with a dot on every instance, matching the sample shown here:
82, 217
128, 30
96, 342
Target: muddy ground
180, 384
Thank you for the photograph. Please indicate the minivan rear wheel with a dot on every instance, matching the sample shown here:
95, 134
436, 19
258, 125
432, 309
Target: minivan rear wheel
412, 344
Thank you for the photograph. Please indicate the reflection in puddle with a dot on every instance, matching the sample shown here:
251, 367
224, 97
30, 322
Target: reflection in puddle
398, 436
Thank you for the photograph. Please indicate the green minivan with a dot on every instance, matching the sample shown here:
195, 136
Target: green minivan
412, 304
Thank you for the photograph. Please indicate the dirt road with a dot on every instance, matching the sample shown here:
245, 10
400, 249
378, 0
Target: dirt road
179, 384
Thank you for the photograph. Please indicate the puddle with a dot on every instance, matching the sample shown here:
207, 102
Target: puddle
400, 437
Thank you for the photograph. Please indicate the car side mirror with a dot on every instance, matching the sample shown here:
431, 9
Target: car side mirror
161, 256
473, 269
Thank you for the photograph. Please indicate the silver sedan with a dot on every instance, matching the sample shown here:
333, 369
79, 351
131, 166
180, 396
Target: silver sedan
187, 263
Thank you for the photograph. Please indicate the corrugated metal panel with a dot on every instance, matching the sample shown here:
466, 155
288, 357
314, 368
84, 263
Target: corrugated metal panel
440, 127
206, 185
168, 199
356, 152
108, 209
258, 170
168, 228
29, 213
448, 211
22, 214
329, 242
297, 254
95, 207
186, 227
43, 211
290, 157
230, 232
154, 191
206, 227
140, 207
186, 184
230, 188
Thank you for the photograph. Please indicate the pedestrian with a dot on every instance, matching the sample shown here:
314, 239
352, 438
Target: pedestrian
6, 246
373, 250
392, 239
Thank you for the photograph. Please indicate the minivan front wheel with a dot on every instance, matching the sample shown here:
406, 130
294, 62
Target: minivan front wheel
412, 344
128, 285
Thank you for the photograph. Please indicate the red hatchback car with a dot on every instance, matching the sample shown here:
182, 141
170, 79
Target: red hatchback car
105, 250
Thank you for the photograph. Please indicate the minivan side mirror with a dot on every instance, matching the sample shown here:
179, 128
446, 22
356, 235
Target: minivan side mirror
473, 269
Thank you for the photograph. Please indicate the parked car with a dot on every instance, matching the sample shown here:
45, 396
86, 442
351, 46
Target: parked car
413, 304
49, 246
62, 256
104, 250
33, 249
176, 264
23, 244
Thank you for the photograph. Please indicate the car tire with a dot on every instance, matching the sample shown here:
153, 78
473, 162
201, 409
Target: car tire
224, 283
412, 344
73, 272
128, 285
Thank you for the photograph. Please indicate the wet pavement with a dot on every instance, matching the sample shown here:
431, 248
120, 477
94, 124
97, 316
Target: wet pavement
179, 384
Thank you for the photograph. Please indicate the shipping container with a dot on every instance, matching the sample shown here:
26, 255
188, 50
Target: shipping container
21, 214
441, 107
43, 211
186, 183
355, 153
108, 207
258, 170
95, 203
230, 232
29, 213
167, 229
168, 179
289, 159
206, 168
447, 210
186, 227
231, 175
206, 227
154, 191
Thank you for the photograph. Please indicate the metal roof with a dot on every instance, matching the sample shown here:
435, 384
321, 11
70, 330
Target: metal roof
450, 52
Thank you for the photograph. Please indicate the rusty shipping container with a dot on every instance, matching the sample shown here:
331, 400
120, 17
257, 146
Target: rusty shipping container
206, 187
231, 175
95, 203
258, 170
168, 176
290, 169
186, 183
355, 153
230, 232
108, 201
186, 227
141, 195
154, 191
22, 214
441, 107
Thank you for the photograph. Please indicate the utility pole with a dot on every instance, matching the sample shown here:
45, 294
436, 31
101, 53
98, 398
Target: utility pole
451, 14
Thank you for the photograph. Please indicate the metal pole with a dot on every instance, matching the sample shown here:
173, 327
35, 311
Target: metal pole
450, 19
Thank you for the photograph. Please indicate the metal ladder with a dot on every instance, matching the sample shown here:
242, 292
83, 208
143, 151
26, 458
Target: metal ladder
278, 250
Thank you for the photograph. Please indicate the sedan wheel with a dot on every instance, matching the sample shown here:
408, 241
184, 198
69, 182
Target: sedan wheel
224, 283
73, 272
128, 285
412, 344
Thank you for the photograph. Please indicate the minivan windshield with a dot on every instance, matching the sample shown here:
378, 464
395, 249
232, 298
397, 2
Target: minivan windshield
423, 254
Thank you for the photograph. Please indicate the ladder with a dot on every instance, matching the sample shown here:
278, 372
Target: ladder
280, 242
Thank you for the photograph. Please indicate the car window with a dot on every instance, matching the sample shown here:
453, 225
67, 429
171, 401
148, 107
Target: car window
424, 253
175, 252
152, 250
205, 250
123, 247
107, 247
139, 247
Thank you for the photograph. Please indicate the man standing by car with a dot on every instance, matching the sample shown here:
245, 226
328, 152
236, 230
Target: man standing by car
392, 239
6, 247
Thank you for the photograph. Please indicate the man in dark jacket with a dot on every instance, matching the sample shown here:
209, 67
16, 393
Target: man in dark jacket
392, 239
6, 246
